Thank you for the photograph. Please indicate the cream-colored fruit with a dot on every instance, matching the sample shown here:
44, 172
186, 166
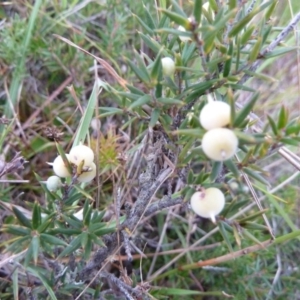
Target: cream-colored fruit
215, 114
53, 183
59, 167
219, 144
88, 175
182, 37
208, 203
80, 153
168, 66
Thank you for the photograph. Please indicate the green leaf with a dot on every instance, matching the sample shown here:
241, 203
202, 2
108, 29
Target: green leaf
154, 117
227, 65
16, 230
260, 76
44, 280
15, 281
256, 176
140, 69
225, 236
135, 90
144, 25
173, 31
156, 68
247, 35
50, 239
187, 52
110, 111
254, 53
232, 4
239, 26
170, 101
244, 112
36, 216
35, 248
178, 19
290, 141
140, 102
254, 226
88, 248
84, 125
232, 167
252, 216
149, 19
279, 52
216, 169
283, 118
250, 236
66, 231
198, 10
235, 86
271, 9
183, 292
73, 221
74, 245
273, 125
21, 218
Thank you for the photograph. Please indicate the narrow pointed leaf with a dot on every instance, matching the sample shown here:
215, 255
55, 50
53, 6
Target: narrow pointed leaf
283, 118
21, 218
178, 19
154, 117
44, 280
51, 239
216, 169
243, 113
140, 102
227, 65
144, 25
36, 216
198, 10
273, 125
225, 235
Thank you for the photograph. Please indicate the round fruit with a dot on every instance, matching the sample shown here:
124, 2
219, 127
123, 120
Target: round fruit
88, 175
59, 167
53, 183
80, 153
220, 144
215, 114
168, 66
208, 203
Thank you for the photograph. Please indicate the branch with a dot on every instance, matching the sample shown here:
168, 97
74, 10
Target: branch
272, 46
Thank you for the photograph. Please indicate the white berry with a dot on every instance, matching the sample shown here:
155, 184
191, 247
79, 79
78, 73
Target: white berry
168, 66
219, 144
80, 153
53, 183
88, 175
59, 167
215, 114
208, 203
